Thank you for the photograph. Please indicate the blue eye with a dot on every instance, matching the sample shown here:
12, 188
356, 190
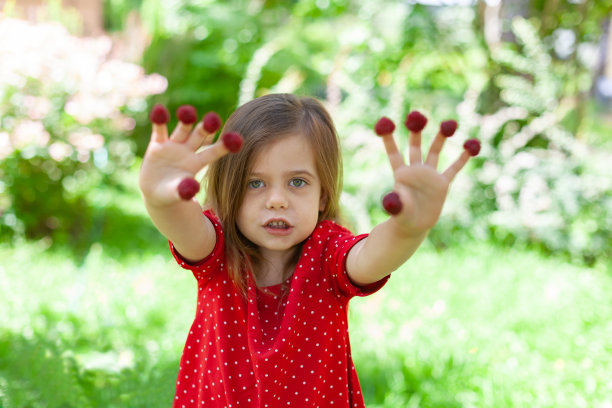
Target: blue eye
297, 182
255, 184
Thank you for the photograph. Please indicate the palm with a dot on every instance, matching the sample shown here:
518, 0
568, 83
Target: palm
164, 166
423, 192
168, 161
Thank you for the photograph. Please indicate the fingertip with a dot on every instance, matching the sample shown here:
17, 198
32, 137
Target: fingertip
384, 126
392, 203
448, 127
187, 114
232, 141
211, 122
188, 188
415, 121
472, 146
159, 114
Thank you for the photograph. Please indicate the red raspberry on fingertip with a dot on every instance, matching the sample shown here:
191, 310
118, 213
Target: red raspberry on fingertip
188, 188
232, 141
187, 114
211, 122
448, 127
384, 126
392, 203
472, 146
159, 114
415, 121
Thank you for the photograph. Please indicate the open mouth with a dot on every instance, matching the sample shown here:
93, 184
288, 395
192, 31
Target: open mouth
278, 224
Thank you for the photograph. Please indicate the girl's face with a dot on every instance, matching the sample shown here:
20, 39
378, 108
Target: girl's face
283, 196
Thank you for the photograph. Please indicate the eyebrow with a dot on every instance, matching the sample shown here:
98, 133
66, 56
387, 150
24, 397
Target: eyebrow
289, 173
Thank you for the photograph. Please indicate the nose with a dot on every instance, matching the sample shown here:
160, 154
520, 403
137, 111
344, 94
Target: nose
277, 199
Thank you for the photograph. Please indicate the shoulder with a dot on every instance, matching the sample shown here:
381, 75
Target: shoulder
329, 236
214, 259
329, 227
330, 231
214, 219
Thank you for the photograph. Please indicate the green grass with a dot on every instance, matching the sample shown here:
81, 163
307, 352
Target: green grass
478, 326
487, 327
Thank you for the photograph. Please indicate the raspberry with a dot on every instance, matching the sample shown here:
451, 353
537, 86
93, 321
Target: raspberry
187, 188
232, 141
415, 121
392, 203
212, 122
384, 126
187, 114
448, 127
159, 114
472, 146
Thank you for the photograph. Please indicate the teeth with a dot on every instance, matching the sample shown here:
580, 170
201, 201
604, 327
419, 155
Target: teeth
277, 224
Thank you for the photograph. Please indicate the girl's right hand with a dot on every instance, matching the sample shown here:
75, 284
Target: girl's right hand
169, 160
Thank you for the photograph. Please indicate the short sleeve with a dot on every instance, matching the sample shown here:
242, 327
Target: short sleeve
336, 248
213, 262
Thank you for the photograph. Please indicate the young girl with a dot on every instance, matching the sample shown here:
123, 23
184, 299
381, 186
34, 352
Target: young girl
274, 269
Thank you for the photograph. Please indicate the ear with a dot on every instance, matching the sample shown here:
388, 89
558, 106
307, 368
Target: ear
322, 202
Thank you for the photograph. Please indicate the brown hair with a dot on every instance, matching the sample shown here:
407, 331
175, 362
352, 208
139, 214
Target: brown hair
260, 122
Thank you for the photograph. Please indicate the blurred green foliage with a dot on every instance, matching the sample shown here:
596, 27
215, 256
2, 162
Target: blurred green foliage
66, 107
527, 97
537, 181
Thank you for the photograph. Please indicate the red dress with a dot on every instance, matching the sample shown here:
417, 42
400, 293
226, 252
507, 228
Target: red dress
273, 350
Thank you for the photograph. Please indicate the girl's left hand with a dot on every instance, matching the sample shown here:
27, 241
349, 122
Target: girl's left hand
421, 188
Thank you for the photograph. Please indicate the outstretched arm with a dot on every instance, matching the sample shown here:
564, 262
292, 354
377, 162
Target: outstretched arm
420, 194
167, 179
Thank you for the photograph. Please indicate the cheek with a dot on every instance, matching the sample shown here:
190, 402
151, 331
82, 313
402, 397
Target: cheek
315, 207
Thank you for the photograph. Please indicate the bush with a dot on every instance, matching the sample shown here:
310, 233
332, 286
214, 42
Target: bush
68, 108
535, 183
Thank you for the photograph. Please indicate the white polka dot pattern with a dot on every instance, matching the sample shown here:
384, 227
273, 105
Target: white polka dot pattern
271, 350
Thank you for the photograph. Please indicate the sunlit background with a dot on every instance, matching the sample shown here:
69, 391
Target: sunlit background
507, 303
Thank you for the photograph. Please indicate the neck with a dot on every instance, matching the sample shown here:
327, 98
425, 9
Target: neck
276, 266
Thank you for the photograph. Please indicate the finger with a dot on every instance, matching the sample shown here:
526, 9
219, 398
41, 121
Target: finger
230, 143
471, 148
187, 188
447, 129
384, 128
159, 116
212, 153
414, 152
434, 151
395, 157
160, 133
415, 122
211, 122
187, 116
209, 139
198, 137
392, 203
205, 131
454, 168
181, 132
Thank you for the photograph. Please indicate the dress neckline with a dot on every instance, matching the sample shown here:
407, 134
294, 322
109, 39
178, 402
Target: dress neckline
275, 289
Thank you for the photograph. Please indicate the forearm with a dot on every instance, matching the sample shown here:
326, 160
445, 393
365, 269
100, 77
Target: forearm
183, 223
386, 248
